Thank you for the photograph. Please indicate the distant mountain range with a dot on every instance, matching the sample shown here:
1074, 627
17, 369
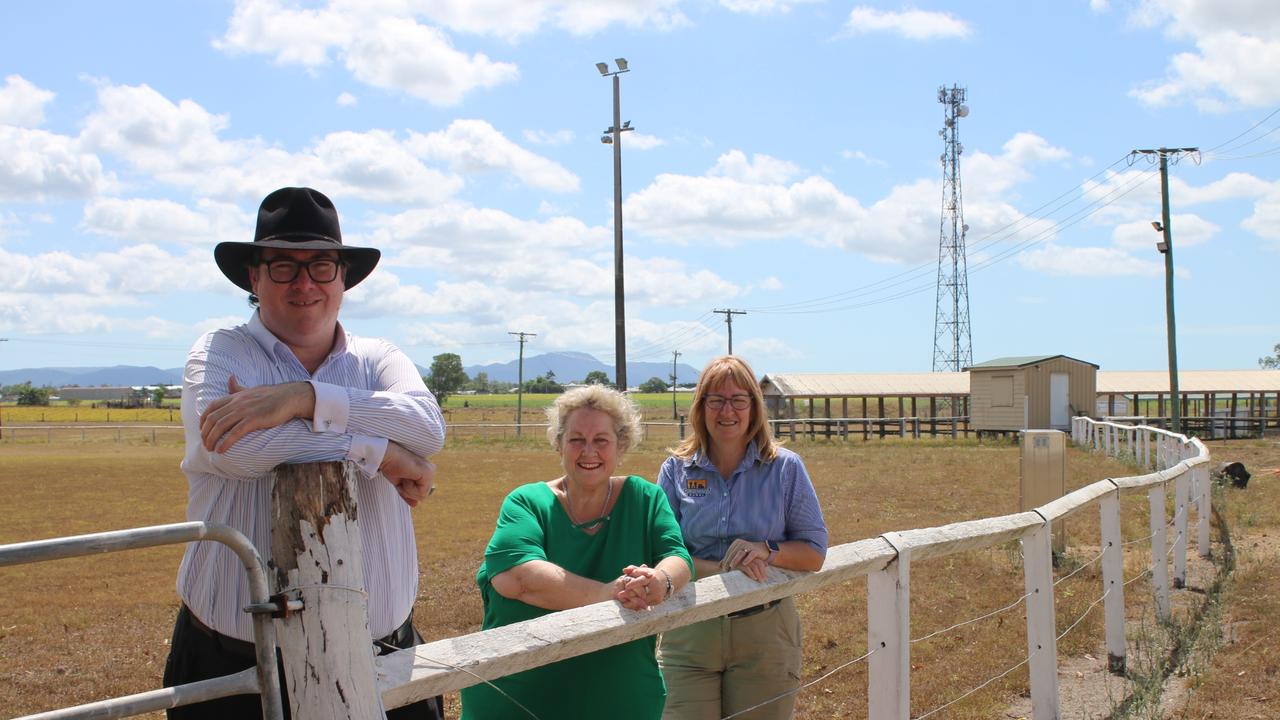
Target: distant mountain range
568, 367
574, 366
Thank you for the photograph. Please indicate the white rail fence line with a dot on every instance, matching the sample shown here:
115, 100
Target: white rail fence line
449, 665
454, 663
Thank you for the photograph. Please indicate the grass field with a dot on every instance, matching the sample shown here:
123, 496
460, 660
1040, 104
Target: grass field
72, 631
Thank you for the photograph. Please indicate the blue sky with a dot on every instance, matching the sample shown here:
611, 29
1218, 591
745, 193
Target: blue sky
785, 162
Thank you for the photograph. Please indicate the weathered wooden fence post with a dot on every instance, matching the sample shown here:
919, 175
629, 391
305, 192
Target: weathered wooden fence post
1181, 509
1159, 552
1113, 581
1042, 636
889, 637
1204, 496
316, 557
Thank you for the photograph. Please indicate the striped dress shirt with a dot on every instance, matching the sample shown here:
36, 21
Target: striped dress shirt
367, 393
759, 501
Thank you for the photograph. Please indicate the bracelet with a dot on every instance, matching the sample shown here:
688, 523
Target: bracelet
670, 585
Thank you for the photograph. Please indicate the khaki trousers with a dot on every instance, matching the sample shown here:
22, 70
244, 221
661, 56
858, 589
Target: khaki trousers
725, 665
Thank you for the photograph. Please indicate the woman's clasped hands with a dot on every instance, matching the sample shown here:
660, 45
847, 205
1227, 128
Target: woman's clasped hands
640, 587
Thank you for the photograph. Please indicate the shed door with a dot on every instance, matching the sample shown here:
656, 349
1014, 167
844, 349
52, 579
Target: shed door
1059, 400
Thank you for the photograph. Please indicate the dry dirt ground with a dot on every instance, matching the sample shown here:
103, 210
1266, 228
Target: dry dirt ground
1087, 691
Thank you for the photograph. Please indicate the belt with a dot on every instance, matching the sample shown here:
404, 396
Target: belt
399, 638
748, 612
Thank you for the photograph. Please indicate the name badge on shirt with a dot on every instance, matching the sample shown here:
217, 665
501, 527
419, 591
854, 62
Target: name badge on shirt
695, 487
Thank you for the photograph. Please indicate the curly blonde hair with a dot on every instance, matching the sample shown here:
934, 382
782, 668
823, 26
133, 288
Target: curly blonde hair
626, 419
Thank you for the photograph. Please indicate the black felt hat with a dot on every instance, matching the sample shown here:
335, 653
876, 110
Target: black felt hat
294, 219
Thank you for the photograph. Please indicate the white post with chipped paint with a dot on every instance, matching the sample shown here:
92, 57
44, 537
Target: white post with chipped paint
317, 558
1204, 495
1113, 581
1181, 508
889, 637
1159, 552
1042, 641
1041, 623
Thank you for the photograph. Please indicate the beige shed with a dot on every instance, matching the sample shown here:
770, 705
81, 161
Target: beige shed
1040, 392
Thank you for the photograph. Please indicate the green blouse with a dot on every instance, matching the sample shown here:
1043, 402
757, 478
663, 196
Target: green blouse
618, 682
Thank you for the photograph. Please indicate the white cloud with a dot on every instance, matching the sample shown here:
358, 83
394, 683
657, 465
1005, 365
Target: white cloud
346, 99
164, 221
213, 323
22, 103
179, 143
1100, 6
910, 24
400, 54
761, 169
512, 19
1237, 49
1188, 230
993, 175
100, 292
641, 141
544, 137
860, 155
762, 6
771, 349
1265, 220
771, 283
36, 165
1088, 262
765, 199
384, 46
474, 146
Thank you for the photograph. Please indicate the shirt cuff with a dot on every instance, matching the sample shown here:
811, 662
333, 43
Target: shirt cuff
367, 452
332, 408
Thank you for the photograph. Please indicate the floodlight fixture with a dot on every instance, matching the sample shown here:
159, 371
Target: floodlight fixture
1158, 227
603, 68
622, 64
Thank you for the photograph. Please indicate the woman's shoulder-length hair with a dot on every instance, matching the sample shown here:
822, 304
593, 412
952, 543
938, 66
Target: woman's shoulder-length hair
721, 370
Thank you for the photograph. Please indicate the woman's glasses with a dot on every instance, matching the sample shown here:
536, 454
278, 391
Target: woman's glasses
717, 402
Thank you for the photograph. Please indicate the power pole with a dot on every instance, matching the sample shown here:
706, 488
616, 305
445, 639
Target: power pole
520, 386
1175, 416
675, 355
952, 347
728, 321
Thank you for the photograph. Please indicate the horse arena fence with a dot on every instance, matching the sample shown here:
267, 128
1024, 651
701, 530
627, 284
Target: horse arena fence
451, 664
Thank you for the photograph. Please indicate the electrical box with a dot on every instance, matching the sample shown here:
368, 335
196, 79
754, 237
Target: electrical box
1043, 473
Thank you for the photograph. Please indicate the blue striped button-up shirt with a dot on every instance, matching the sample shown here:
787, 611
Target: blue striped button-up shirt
759, 501
367, 393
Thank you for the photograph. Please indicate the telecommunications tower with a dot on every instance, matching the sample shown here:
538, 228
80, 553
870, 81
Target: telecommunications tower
952, 349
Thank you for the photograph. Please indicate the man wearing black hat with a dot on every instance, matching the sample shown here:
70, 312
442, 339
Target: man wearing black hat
291, 385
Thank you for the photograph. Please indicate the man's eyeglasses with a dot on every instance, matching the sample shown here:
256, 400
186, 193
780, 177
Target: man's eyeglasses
323, 270
717, 402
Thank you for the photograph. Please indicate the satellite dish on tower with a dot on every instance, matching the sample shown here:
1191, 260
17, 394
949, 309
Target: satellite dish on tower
962, 111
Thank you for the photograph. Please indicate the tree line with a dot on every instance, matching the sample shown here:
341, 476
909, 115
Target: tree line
446, 377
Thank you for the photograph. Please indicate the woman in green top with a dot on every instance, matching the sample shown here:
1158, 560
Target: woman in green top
583, 538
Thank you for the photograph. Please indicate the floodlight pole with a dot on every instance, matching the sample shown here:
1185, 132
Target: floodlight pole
614, 135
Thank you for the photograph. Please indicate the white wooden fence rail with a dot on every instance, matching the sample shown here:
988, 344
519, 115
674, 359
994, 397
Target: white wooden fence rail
451, 664
454, 663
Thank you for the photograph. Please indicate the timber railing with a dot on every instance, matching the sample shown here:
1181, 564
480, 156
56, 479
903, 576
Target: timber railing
454, 663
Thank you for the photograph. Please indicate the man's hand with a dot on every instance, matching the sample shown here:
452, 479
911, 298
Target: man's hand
244, 410
414, 477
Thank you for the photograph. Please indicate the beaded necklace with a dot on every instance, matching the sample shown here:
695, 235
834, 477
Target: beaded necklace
590, 524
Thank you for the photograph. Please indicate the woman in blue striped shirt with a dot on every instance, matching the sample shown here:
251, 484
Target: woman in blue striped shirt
743, 503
